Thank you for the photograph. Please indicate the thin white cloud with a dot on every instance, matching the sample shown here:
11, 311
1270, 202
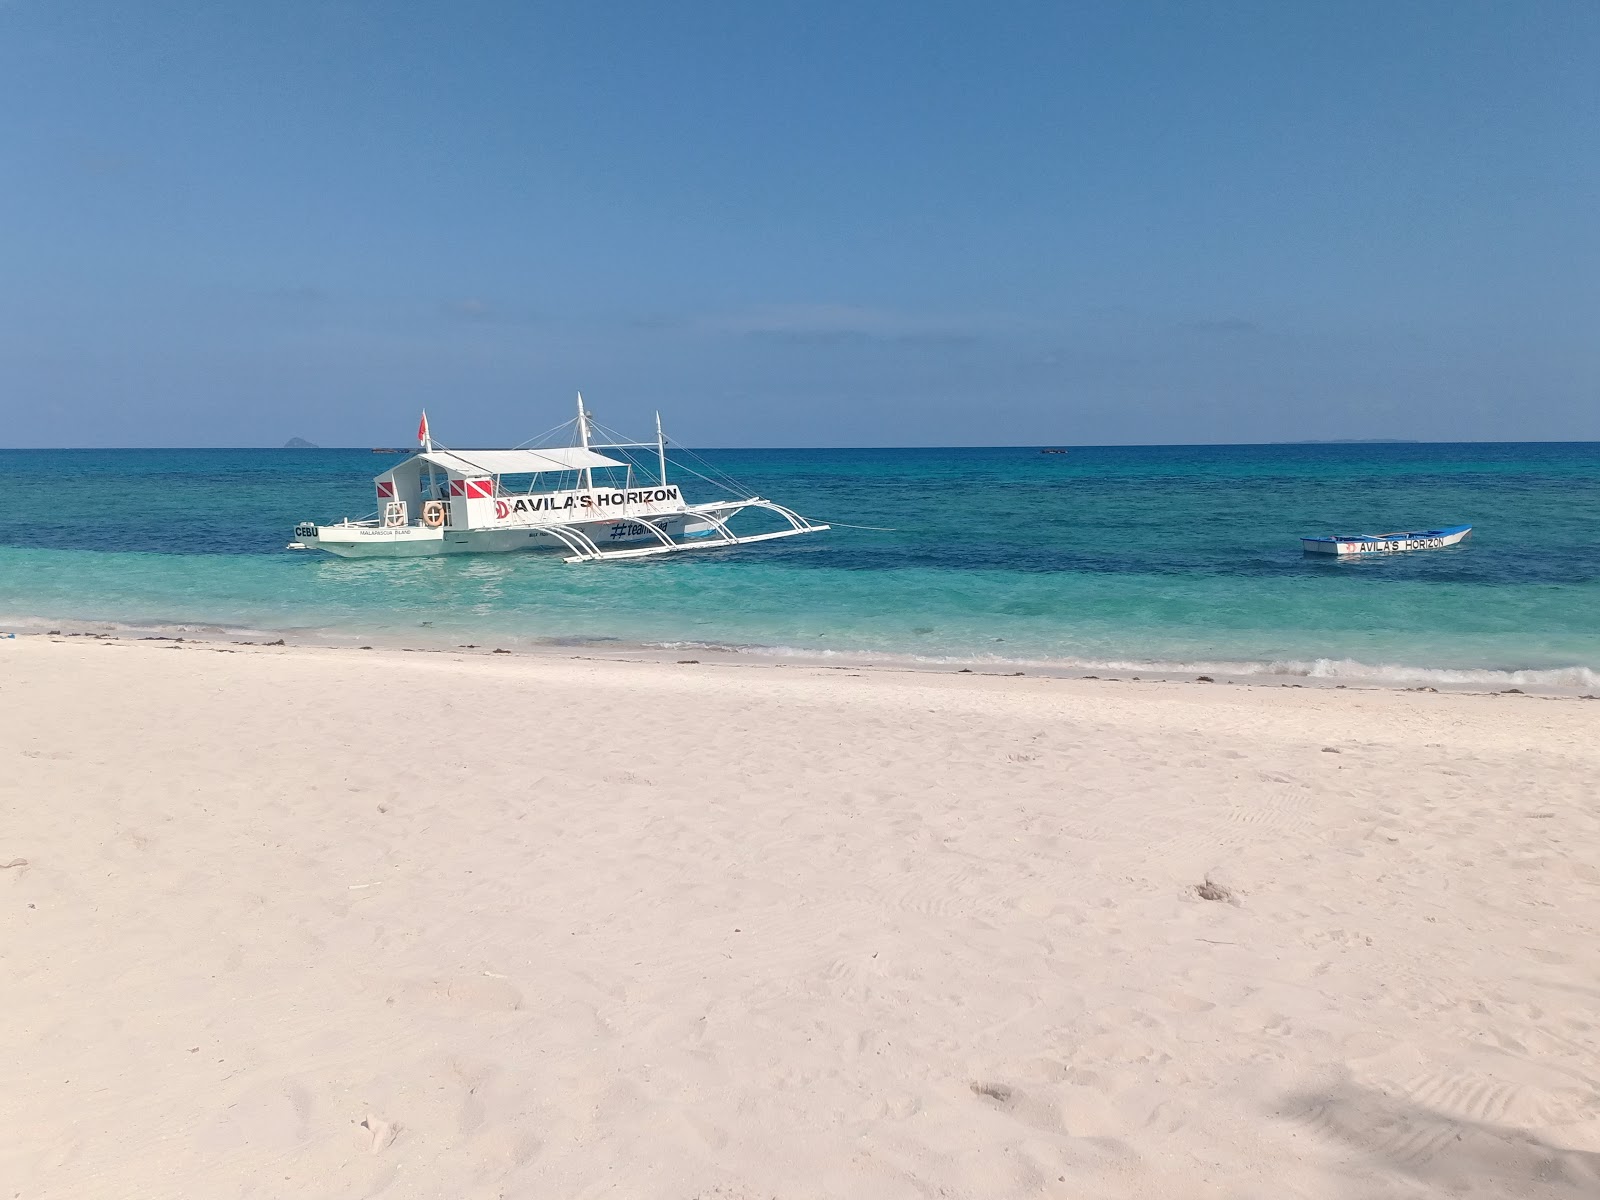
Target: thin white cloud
842, 322
469, 307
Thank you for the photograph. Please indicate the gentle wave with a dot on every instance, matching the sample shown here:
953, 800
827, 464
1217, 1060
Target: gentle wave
35, 625
199, 631
1333, 669
1575, 678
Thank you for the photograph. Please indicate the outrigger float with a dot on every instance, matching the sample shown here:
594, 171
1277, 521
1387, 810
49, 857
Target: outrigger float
443, 501
1385, 543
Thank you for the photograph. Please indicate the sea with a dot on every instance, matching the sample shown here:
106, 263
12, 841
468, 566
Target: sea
1151, 560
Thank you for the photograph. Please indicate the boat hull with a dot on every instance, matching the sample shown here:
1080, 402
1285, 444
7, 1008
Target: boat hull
417, 541
1357, 544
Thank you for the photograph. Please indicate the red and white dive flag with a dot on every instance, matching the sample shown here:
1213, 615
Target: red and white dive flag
422, 429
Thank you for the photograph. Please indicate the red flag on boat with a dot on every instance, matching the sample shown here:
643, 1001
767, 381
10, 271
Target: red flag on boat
422, 429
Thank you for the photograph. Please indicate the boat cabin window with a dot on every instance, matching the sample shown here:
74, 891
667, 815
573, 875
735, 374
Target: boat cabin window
522, 483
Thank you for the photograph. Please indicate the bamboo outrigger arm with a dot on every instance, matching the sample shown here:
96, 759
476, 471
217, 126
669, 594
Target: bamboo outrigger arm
708, 513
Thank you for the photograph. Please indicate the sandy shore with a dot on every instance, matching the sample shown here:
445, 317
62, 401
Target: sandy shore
338, 924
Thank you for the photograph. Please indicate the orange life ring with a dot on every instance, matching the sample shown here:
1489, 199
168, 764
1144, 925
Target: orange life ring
433, 514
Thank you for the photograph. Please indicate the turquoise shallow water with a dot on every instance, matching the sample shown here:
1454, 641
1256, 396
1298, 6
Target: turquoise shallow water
1185, 557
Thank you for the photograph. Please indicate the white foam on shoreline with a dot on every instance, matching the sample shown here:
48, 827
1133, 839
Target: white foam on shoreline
1319, 669
1575, 677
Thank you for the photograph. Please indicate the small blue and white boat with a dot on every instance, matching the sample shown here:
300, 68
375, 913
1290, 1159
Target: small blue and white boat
1385, 543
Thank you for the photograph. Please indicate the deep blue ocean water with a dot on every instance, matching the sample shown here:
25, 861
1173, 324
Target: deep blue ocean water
1183, 557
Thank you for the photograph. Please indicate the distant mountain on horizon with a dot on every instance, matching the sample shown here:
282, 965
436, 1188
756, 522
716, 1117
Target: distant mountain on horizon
1352, 442
299, 443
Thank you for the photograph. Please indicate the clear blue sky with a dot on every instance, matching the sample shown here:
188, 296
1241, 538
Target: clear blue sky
799, 224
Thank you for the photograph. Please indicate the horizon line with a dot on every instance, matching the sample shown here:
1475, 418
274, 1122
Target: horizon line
1367, 443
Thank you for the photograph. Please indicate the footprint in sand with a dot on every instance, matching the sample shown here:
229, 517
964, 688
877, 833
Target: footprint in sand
998, 1092
1183, 1002
376, 1135
272, 1114
497, 995
485, 992
472, 1078
1029, 1109
629, 778
1553, 957
510, 1146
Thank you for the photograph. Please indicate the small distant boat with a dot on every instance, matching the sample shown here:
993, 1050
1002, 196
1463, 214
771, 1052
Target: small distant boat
1385, 543
1053, 450
387, 450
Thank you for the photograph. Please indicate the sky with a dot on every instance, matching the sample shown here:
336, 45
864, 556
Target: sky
799, 224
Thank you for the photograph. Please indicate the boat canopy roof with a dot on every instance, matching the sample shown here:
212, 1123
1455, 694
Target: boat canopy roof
518, 462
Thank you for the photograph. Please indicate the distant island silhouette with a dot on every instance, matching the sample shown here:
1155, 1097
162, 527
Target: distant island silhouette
1352, 442
299, 444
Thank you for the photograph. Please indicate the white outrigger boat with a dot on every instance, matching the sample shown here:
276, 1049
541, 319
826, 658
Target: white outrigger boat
1385, 543
442, 501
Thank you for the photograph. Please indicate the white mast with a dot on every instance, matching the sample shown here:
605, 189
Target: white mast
661, 450
583, 440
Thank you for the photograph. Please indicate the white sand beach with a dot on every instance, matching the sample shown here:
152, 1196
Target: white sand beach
333, 923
